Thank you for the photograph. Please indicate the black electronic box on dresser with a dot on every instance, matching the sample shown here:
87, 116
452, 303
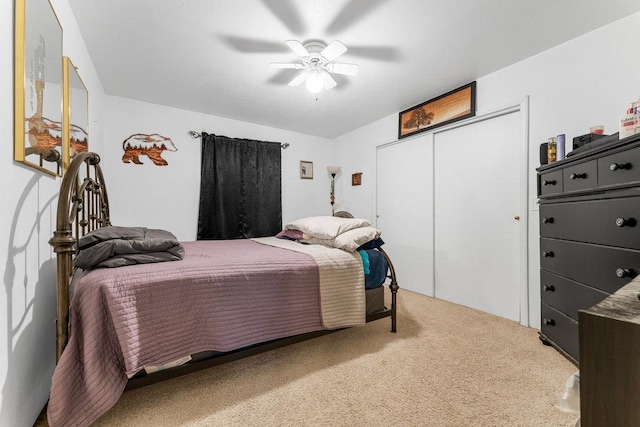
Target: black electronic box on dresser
589, 234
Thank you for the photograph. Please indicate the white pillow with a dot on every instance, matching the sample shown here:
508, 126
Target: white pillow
326, 227
353, 239
348, 241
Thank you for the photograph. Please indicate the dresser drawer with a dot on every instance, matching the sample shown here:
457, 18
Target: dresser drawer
550, 183
602, 267
619, 168
608, 222
580, 177
560, 329
566, 295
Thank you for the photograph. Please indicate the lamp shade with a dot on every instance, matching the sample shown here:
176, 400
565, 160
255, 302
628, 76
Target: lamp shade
333, 169
314, 81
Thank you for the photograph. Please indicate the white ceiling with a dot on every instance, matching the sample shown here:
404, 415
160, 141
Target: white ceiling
212, 56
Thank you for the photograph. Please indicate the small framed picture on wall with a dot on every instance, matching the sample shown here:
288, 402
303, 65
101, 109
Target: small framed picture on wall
306, 169
356, 178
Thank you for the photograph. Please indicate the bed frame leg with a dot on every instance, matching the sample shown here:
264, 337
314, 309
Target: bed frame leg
393, 286
394, 290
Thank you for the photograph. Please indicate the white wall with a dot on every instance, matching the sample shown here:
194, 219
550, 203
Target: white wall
167, 196
27, 218
586, 81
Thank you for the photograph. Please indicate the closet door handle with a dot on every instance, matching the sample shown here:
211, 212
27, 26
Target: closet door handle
547, 254
549, 288
549, 322
577, 176
547, 220
622, 222
549, 182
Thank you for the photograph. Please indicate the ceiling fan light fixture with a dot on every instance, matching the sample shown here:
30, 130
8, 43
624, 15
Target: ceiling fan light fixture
315, 83
317, 64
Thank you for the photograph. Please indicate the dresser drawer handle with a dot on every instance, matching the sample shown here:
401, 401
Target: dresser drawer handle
547, 220
619, 166
549, 322
547, 254
577, 176
549, 288
624, 272
629, 222
549, 182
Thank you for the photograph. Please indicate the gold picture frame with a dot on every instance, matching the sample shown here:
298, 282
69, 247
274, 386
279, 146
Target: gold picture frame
306, 169
454, 105
75, 109
38, 87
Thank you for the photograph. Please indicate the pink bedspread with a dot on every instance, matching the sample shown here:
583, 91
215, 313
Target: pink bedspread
222, 296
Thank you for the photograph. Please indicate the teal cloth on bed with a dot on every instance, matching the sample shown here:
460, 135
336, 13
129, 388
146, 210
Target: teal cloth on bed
365, 261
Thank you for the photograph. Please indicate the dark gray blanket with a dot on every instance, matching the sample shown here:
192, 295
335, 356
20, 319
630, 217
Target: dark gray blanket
116, 246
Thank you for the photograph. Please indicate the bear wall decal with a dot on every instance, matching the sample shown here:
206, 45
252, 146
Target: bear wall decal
150, 145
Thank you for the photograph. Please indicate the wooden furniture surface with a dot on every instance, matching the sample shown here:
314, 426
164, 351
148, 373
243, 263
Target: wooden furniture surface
609, 362
589, 235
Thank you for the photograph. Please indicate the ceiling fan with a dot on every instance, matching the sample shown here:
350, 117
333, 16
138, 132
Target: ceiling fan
317, 64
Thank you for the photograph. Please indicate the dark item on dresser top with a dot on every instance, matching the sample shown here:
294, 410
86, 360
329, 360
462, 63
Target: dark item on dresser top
582, 140
589, 234
82, 207
609, 363
598, 141
544, 153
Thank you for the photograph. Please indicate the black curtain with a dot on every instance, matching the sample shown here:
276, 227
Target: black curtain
240, 188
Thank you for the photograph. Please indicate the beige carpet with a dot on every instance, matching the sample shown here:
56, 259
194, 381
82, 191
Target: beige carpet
448, 365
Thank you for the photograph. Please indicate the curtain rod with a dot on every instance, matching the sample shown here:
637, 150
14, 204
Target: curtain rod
193, 134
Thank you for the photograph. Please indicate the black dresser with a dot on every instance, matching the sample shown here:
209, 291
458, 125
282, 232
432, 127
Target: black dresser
589, 235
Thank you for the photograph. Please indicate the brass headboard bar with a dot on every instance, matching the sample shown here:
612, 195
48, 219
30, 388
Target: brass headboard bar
83, 206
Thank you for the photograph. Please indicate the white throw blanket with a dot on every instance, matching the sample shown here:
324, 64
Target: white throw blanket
342, 296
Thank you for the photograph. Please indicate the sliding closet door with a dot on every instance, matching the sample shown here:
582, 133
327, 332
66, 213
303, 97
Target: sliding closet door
404, 208
477, 199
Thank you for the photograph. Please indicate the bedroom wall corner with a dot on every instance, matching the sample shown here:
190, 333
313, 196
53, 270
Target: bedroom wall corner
356, 152
167, 196
27, 297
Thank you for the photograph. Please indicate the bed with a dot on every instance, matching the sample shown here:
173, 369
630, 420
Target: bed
132, 325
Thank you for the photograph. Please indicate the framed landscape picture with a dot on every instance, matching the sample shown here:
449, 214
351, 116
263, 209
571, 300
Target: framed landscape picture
455, 105
38, 87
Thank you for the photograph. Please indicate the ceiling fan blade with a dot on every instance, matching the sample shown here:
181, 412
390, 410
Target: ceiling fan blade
335, 49
327, 80
297, 48
353, 12
287, 12
301, 77
342, 68
252, 45
286, 65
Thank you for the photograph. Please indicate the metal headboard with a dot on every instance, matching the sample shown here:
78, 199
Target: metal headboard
82, 206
